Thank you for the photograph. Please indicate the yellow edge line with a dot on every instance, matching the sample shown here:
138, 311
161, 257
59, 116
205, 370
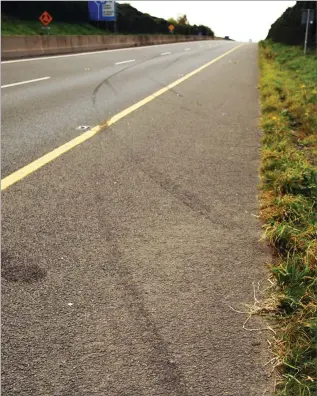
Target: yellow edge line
52, 155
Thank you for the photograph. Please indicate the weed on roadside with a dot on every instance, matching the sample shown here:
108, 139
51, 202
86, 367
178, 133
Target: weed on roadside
289, 207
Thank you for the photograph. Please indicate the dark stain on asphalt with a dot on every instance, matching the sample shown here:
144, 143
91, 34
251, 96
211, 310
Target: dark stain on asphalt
15, 270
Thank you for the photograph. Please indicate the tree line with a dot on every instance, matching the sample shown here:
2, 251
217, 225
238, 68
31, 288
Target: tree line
129, 19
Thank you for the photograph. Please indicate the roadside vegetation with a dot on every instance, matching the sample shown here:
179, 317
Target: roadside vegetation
16, 27
288, 207
288, 29
72, 18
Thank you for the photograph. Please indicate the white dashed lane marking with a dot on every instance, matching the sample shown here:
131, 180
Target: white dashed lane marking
25, 82
127, 61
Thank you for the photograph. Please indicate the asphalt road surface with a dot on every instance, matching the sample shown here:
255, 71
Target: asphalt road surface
123, 258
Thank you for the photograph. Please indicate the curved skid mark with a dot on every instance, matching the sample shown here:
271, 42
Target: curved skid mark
107, 82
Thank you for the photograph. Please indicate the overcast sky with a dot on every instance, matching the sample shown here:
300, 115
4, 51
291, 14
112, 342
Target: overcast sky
240, 20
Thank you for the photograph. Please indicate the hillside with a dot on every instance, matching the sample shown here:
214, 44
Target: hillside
287, 29
71, 17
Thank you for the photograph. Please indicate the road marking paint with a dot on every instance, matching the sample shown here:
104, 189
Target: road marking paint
91, 53
127, 61
49, 157
82, 127
25, 82
187, 49
166, 53
52, 155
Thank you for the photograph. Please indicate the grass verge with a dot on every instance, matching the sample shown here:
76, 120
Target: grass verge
288, 207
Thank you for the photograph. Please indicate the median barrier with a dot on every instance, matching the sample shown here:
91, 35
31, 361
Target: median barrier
15, 47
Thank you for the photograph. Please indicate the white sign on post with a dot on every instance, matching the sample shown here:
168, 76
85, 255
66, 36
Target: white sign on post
108, 8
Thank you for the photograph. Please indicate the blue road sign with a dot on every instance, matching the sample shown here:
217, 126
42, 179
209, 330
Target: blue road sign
102, 10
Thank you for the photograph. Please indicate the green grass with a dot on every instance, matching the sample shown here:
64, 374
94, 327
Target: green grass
15, 27
288, 206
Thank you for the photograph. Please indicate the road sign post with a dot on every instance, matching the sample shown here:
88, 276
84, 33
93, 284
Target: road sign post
307, 19
45, 18
103, 10
171, 28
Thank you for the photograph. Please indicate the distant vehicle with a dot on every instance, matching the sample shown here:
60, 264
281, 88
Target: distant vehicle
226, 37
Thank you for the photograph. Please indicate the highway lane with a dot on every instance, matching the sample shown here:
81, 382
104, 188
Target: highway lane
67, 63
84, 91
123, 258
